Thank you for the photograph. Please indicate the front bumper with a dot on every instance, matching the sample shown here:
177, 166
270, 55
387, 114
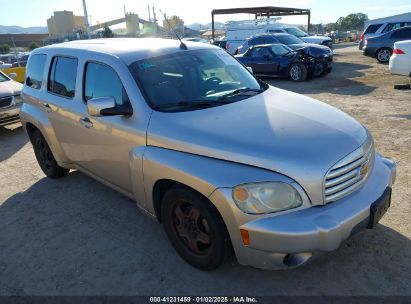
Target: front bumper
9, 115
290, 239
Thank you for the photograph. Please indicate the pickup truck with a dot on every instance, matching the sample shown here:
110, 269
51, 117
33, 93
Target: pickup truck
223, 160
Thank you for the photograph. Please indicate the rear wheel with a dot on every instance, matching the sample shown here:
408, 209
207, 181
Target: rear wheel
195, 228
298, 72
383, 55
45, 157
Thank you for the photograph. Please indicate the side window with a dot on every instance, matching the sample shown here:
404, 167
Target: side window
371, 29
35, 69
391, 26
62, 77
269, 40
256, 41
102, 81
260, 52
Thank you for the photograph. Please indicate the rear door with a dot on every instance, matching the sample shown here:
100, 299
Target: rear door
100, 146
400, 34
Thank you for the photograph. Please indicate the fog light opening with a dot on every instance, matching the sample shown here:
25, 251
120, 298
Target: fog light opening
296, 259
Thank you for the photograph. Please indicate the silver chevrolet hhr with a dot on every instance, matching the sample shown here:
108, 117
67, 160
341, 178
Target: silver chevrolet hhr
224, 161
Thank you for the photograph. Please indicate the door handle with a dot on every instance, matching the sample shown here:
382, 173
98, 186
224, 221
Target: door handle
47, 108
86, 122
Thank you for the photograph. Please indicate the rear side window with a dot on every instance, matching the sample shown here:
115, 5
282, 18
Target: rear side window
402, 33
256, 41
102, 81
371, 29
392, 26
62, 78
35, 69
268, 40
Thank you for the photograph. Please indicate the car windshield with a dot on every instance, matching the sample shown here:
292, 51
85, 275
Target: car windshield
296, 32
280, 49
289, 39
3, 78
192, 80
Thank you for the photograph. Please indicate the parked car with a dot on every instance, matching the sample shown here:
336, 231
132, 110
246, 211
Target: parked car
281, 61
19, 64
400, 61
380, 28
239, 31
217, 156
221, 43
381, 47
10, 100
295, 31
287, 39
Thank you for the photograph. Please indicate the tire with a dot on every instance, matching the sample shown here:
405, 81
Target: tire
298, 72
195, 228
45, 157
383, 55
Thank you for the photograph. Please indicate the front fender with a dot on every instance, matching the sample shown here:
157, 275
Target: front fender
33, 115
203, 174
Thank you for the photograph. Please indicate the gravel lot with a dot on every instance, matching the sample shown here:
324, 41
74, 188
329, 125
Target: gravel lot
75, 236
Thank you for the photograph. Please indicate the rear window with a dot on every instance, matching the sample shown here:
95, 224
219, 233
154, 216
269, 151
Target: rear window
35, 69
372, 28
62, 78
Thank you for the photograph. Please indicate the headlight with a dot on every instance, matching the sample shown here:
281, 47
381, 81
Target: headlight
267, 197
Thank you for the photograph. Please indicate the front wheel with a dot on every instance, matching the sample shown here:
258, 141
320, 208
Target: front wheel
45, 157
383, 55
298, 72
195, 228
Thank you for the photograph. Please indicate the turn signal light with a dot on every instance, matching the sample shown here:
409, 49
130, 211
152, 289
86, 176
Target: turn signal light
245, 236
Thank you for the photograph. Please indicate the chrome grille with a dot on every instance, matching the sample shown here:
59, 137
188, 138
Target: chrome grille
6, 101
350, 173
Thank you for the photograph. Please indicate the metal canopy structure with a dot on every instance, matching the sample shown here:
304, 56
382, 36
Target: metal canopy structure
263, 11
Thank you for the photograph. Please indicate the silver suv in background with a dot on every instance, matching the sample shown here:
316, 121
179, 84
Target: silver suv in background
224, 161
378, 29
10, 100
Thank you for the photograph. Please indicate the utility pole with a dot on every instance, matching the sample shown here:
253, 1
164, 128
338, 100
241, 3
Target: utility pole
86, 20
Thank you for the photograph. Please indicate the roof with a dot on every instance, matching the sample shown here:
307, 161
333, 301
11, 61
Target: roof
128, 49
406, 17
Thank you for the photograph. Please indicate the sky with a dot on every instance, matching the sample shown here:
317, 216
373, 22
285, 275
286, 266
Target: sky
28, 13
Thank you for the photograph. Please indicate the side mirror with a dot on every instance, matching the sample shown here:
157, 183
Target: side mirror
106, 106
250, 69
12, 75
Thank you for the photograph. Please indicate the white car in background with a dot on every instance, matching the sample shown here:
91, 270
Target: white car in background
400, 61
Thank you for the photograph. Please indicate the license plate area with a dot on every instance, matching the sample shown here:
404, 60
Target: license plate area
379, 208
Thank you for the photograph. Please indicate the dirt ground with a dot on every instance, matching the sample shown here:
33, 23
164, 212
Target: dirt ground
75, 236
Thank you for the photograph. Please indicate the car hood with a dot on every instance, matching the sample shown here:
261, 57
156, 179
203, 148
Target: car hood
10, 87
314, 50
276, 130
315, 39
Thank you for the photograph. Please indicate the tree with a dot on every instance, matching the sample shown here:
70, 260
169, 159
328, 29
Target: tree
33, 46
351, 22
107, 33
4, 48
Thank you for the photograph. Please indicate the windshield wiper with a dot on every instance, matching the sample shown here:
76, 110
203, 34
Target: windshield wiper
192, 104
238, 92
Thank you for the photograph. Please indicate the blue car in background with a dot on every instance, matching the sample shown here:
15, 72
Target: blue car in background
280, 60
